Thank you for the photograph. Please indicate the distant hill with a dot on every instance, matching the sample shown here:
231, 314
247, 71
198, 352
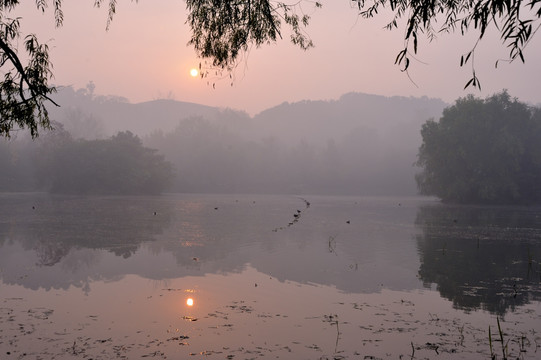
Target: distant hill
393, 119
116, 114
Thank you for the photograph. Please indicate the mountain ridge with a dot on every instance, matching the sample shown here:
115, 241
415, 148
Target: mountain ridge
142, 118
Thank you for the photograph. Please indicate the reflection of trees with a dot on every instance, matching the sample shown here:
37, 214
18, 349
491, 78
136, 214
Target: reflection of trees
50, 252
481, 257
61, 223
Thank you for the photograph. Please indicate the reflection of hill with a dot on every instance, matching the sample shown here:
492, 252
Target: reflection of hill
72, 241
373, 251
58, 241
481, 257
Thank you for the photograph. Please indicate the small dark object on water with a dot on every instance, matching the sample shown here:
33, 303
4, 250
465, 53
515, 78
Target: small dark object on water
399, 204
155, 213
348, 222
215, 208
296, 215
195, 259
455, 221
33, 208
255, 284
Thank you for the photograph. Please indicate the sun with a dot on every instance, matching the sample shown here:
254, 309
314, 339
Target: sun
194, 72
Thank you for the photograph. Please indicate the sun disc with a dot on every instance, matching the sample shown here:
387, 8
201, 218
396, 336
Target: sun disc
194, 72
189, 302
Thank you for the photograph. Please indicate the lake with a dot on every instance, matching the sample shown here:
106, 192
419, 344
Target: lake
259, 276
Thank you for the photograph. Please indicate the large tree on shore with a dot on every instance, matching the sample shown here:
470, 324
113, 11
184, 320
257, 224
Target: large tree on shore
223, 30
482, 151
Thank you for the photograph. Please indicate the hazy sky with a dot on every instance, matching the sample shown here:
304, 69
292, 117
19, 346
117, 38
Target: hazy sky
144, 56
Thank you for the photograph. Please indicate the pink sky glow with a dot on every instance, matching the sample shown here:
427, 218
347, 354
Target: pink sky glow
144, 56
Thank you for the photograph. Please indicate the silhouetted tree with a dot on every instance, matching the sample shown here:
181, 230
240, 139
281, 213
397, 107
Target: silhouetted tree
482, 151
119, 165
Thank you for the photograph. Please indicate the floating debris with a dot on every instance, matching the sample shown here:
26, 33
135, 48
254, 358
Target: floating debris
296, 217
189, 318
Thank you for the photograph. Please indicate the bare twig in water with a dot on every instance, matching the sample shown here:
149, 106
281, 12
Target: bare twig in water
333, 319
332, 245
337, 335
461, 331
492, 355
522, 344
306, 202
504, 346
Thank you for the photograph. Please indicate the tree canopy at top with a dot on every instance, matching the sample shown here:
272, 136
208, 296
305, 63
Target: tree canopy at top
223, 30
516, 21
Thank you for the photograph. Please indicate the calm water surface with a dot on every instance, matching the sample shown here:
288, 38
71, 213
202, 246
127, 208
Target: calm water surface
285, 277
